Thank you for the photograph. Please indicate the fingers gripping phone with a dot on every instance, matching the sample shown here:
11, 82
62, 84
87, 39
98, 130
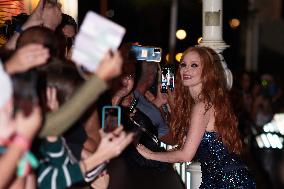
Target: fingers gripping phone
111, 118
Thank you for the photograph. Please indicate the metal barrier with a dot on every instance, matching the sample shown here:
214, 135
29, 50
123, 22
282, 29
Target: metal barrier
190, 173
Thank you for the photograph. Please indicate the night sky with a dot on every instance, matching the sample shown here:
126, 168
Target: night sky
148, 22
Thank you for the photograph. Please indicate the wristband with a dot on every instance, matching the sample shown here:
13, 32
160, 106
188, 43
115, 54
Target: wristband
22, 142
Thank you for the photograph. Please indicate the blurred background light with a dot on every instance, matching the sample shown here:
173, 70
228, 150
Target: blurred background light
199, 40
234, 23
181, 34
178, 56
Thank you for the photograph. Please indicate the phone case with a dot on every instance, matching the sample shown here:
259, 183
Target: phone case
118, 114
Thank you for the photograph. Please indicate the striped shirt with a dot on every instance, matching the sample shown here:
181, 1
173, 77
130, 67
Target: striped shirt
56, 170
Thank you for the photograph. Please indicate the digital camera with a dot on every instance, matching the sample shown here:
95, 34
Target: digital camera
147, 53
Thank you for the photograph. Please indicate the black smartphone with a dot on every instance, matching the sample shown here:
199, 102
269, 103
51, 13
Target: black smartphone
111, 118
167, 79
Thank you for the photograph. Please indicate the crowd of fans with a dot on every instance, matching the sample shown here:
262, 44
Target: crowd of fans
50, 107
257, 98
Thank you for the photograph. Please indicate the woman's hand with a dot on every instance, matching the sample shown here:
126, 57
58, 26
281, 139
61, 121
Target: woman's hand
28, 126
102, 181
161, 98
35, 19
145, 152
27, 57
112, 144
110, 66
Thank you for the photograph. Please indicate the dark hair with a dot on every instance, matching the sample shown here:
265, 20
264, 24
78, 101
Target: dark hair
66, 20
64, 77
40, 35
128, 67
65, 43
25, 91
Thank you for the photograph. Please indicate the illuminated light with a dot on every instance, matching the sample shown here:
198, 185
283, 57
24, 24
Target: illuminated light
234, 23
168, 57
265, 140
271, 140
278, 141
199, 40
264, 83
279, 119
181, 34
178, 56
269, 127
259, 142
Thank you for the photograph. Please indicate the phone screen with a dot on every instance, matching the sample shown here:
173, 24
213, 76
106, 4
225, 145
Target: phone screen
167, 79
111, 118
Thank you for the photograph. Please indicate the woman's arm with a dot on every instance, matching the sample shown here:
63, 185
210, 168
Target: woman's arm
199, 121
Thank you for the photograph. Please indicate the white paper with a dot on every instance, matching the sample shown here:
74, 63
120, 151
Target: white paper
96, 36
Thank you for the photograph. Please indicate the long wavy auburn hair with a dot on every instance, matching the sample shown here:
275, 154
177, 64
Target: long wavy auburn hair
214, 93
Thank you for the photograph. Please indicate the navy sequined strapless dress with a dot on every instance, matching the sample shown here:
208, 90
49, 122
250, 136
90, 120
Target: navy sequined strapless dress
221, 169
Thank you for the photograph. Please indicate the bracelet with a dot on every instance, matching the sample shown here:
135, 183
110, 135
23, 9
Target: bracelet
21, 141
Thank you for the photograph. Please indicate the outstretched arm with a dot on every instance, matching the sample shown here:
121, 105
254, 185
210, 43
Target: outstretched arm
59, 121
199, 121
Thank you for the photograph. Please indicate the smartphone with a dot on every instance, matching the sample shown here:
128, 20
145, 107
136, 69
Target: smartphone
167, 79
147, 53
111, 118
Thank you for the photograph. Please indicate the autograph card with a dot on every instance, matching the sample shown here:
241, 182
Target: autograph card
96, 36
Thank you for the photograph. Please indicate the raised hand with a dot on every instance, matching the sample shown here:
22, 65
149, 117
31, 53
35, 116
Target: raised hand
145, 152
28, 126
51, 16
110, 66
27, 57
161, 98
35, 19
112, 144
126, 87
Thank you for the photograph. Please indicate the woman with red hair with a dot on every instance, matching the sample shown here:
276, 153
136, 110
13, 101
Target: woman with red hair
203, 123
